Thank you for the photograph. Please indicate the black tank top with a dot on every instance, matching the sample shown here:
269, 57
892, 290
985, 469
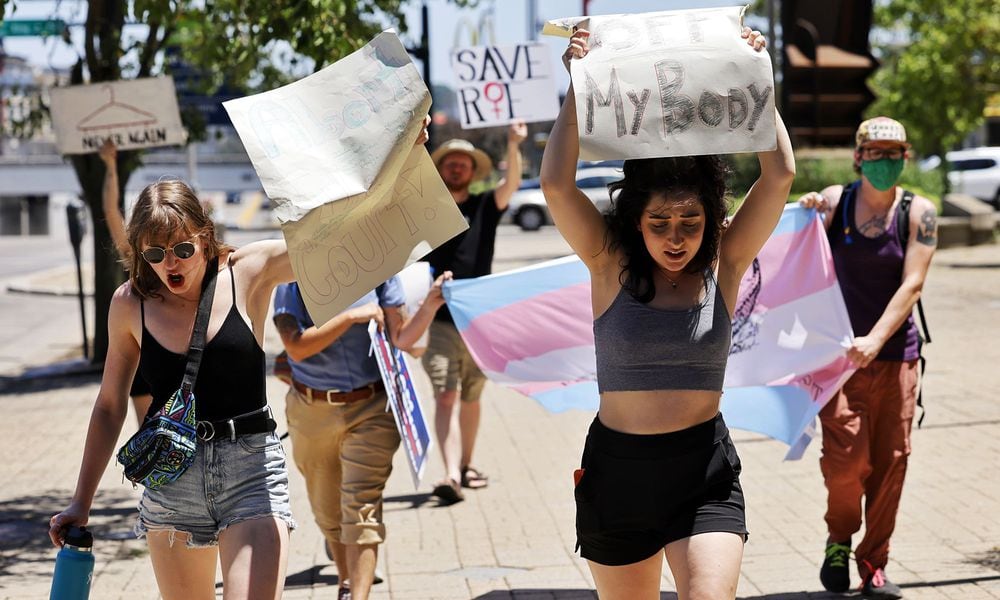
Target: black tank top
230, 380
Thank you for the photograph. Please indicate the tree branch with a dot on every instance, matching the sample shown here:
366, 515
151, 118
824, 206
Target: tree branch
94, 8
151, 48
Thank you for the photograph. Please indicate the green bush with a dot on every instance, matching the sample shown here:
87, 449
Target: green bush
816, 170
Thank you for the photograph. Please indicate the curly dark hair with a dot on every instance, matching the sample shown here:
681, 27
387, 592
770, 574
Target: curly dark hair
703, 176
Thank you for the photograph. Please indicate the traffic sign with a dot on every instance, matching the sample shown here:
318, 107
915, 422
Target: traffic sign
31, 27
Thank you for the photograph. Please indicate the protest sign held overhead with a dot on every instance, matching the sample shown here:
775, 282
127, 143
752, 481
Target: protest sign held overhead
497, 85
335, 153
671, 83
140, 113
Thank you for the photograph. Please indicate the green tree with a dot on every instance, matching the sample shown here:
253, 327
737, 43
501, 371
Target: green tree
945, 65
251, 44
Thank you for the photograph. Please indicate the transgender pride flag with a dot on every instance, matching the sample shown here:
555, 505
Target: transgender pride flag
532, 329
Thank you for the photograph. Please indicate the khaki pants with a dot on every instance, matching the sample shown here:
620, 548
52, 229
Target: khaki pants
449, 364
866, 443
345, 454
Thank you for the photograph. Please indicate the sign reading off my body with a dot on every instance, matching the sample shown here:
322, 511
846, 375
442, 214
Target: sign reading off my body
669, 84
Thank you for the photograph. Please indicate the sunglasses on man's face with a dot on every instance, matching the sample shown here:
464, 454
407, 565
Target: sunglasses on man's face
155, 255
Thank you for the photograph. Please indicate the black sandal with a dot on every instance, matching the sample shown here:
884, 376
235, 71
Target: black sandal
449, 491
473, 478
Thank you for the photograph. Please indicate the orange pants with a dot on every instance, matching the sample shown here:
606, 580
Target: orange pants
866, 442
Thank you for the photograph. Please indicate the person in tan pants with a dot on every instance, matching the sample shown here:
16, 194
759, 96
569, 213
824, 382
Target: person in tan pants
343, 438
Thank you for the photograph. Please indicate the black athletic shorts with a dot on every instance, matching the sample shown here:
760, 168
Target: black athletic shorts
638, 493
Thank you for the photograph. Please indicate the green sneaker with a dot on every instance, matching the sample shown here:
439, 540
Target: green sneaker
835, 573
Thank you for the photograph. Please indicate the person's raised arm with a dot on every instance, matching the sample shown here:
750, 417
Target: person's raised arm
512, 179
576, 217
109, 412
405, 330
756, 218
109, 198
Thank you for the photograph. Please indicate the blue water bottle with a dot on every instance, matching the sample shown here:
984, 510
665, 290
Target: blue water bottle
74, 566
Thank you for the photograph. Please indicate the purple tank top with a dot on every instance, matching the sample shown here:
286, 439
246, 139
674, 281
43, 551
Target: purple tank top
870, 270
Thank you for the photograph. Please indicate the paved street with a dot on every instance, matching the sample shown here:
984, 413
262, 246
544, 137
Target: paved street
515, 538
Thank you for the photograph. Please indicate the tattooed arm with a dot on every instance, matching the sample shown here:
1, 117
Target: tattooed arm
919, 251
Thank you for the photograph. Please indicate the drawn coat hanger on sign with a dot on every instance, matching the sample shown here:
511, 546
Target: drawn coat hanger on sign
115, 114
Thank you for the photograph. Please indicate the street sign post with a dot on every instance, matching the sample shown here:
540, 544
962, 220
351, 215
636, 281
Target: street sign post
31, 27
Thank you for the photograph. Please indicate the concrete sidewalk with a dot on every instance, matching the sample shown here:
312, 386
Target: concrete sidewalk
515, 538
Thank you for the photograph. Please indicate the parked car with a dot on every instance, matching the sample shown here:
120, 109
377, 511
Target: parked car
529, 211
976, 172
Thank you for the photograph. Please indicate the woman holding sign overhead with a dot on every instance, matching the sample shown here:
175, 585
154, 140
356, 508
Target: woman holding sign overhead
660, 474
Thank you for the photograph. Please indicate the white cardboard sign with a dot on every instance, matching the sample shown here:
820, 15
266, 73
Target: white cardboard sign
670, 83
137, 113
335, 152
496, 85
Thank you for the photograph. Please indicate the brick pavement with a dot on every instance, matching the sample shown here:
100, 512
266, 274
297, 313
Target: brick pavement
515, 538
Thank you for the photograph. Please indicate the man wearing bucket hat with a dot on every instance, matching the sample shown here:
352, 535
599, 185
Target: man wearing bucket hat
453, 373
866, 426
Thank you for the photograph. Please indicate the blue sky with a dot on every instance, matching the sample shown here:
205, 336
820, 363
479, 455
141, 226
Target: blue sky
510, 26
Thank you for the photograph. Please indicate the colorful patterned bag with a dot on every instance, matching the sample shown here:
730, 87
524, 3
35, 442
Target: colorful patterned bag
165, 445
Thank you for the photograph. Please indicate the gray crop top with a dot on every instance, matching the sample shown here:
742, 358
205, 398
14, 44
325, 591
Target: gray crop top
640, 348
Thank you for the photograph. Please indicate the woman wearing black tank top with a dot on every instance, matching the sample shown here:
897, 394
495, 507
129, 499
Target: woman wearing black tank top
172, 245
231, 505
659, 474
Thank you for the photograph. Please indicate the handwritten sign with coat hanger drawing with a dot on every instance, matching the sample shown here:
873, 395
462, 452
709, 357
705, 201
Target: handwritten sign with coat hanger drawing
670, 83
357, 201
497, 85
138, 113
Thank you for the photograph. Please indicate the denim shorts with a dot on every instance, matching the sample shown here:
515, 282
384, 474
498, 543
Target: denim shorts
229, 482
638, 493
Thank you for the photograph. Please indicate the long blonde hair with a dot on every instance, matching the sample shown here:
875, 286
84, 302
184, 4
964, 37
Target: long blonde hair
162, 209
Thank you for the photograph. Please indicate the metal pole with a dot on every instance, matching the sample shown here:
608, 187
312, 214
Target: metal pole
192, 166
76, 231
425, 51
83, 308
425, 45
533, 20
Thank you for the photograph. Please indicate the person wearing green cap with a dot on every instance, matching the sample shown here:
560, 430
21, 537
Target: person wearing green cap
866, 425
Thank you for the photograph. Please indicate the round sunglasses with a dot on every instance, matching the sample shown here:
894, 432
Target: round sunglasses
155, 255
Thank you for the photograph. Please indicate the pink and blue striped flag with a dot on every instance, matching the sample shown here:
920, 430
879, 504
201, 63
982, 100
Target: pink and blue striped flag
532, 329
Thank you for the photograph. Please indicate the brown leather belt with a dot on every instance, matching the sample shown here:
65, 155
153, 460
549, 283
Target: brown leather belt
337, 396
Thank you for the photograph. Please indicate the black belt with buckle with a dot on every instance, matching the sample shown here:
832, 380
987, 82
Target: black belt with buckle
231, 428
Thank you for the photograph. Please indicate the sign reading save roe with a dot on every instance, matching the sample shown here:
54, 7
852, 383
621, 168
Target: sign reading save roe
496, 85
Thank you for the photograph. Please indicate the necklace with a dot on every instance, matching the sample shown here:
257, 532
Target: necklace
673, 284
